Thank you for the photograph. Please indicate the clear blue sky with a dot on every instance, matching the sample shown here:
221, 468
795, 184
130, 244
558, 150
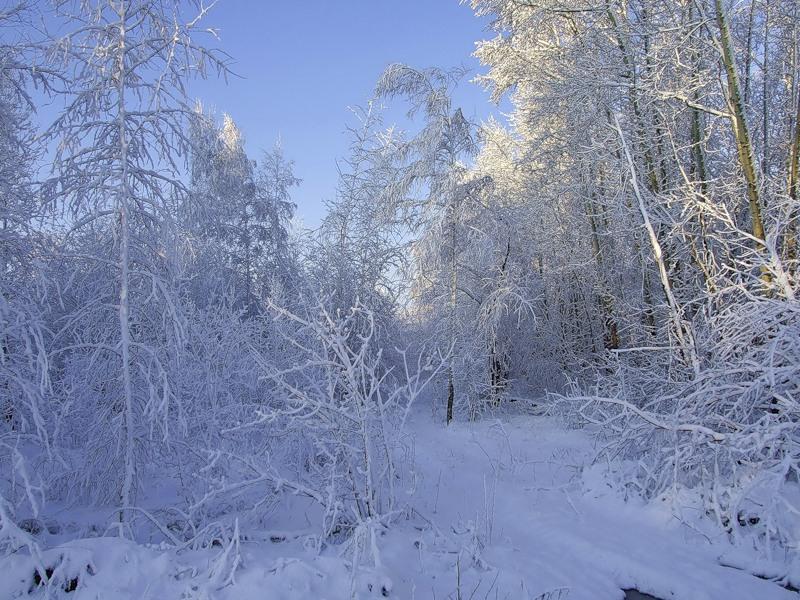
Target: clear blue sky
303, 62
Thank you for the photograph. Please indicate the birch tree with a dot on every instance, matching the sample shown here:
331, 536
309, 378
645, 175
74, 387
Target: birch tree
434, 165
27, 412
119, 142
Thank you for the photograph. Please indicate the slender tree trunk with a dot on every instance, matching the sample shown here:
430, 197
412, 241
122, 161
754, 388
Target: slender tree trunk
699, 169
764, 100
633, 94
451, 394
124, 195
247, 265
497, 370
793, 185
611, 333
649, 314
740, 129
682, 330
748, 57
793, 182
794, 155
649, 321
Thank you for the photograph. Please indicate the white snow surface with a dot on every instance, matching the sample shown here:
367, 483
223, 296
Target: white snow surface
506, 508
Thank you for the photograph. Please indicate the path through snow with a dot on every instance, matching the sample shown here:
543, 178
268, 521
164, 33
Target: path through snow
501, 511
516, 521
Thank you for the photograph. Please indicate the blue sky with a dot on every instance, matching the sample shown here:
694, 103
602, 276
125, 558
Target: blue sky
304, 62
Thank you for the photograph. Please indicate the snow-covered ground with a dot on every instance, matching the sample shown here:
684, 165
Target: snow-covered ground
501, 509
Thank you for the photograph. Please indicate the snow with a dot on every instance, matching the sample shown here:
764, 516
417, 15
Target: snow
501, 508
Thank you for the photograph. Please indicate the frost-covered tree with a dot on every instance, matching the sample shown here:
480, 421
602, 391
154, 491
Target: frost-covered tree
359, 256
119, 142
221, 183
239, 211
655, 146
433, 188
26, 415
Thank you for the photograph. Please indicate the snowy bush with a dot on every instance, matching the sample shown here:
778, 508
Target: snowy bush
330, 426
729, 435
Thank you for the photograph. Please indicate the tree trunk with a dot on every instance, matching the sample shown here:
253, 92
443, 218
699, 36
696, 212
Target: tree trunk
453, 299
740, 129
700, 252
794, 186
748, 57
611, 331
124, 195
682, 330
497, 365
